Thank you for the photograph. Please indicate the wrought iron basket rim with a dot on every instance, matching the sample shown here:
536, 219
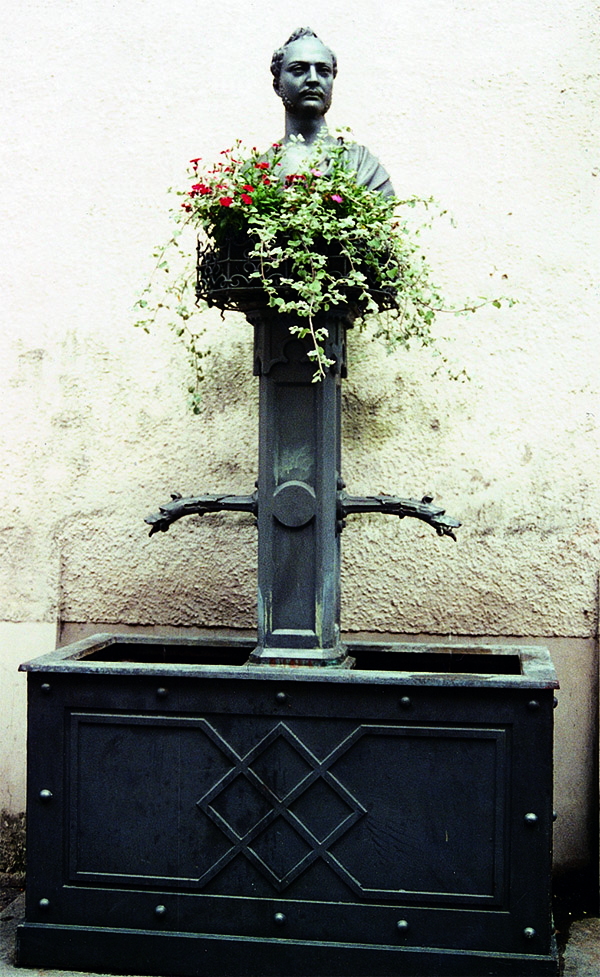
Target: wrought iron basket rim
223, 280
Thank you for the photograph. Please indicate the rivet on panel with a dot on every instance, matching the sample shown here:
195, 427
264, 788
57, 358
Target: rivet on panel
533, 705
45, 795
160, 910
405, 702
531, 819
555, 816
44, 904
555, 702
281, 697
45, 687
161, 692
529, 932
402, 926
279, 918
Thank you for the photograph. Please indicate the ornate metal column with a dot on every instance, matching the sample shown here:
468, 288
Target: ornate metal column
298, 480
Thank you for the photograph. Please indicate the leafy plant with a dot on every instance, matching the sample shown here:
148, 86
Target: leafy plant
317, 238
12, 842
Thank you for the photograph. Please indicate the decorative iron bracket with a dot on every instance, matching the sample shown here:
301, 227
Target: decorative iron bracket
198, 505
391, 505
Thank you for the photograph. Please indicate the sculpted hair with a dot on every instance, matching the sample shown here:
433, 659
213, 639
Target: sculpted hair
277, 59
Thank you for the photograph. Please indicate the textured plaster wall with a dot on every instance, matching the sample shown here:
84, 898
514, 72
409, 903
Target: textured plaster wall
18, 643
490, 106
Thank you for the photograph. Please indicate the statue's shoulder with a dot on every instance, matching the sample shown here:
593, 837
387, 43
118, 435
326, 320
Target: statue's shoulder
369, 171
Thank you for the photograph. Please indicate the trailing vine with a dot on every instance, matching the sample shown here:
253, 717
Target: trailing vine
317, 239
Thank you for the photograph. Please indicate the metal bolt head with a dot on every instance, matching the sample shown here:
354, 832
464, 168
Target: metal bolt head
162, 693
160, 910
531, 819
45, 687
281, 697
46, 795
529, 932
44, 904
279, 918
554, 702
533, 705
402, 926
405, 702
555, 816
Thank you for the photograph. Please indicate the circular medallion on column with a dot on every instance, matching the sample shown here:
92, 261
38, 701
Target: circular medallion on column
294, 504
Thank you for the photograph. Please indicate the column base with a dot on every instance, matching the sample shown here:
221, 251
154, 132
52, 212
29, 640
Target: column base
312, 657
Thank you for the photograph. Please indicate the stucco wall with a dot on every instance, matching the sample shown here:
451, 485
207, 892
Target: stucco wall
490, 106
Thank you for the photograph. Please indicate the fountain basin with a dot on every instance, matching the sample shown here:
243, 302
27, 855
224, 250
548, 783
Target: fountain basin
190, 813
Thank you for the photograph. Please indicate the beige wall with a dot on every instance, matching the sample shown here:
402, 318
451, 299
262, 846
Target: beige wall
18, 643
492, 107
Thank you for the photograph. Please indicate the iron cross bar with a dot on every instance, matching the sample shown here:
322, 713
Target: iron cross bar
393, 506
388, 504
198, 505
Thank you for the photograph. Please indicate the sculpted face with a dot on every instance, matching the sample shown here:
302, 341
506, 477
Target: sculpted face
306, 79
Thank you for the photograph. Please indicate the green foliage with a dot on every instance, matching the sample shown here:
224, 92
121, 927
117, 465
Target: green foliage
12, 842
294, 225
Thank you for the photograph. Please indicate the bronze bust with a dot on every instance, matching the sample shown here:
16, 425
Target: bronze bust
303, 72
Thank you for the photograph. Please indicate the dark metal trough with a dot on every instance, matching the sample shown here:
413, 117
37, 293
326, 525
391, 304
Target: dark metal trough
191, 813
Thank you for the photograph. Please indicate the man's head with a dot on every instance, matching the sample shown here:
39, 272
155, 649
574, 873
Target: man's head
303, 70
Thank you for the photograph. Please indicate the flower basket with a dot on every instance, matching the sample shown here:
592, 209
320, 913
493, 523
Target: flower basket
326, 242
229, 277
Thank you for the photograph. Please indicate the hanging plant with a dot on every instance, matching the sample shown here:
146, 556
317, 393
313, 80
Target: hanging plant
301, 244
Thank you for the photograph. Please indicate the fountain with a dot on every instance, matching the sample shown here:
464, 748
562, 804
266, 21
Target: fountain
301, 804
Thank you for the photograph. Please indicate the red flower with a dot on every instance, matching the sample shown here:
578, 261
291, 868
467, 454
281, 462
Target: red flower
262, 166
186, 206
266, 181
246, 198
195, 162
248, 188
226, 201
201, 188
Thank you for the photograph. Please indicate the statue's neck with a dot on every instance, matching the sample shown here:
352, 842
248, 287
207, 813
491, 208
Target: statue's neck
310, 128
